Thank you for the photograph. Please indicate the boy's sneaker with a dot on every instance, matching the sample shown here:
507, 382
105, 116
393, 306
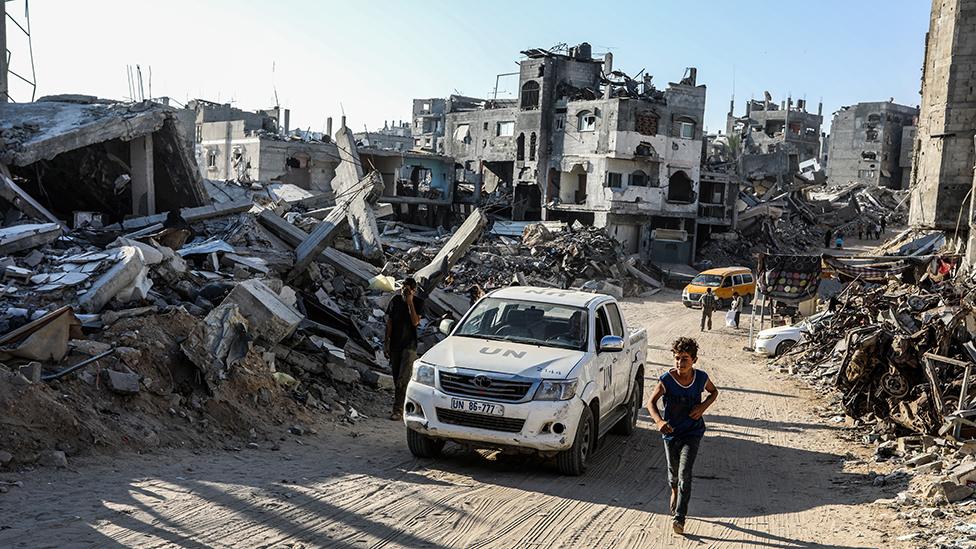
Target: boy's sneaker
678, 526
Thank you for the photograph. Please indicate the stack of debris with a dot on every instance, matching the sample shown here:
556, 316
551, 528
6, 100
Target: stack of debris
548, 254
899, 359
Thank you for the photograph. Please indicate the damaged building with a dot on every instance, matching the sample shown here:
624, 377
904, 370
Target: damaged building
942, 173
394, 136
583, 142
243, 146
775, 139
102, 159
866, 144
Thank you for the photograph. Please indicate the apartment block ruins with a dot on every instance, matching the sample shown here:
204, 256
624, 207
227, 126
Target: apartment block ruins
394, 136
775, 139
583, 142
251, 147
866, 144
942, 175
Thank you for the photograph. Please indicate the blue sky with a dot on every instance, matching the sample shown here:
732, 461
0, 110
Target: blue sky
370, 58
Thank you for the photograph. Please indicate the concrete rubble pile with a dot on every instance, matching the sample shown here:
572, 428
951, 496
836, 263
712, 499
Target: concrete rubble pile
548, 254
794, 221
219, 320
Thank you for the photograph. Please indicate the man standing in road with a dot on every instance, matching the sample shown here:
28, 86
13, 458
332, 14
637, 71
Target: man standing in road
681, 425
402, 318
709, 304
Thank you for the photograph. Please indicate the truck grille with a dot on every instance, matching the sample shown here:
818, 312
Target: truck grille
492, 423
499, 389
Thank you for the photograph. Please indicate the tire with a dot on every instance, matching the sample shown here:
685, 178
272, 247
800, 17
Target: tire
423, 446
573, 462
784, 346
628, 424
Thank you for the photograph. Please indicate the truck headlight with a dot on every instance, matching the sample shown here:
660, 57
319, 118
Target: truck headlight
556, 390
423, 373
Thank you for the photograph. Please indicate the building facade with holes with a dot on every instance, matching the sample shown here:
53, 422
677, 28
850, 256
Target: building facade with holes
866, 144
579, 145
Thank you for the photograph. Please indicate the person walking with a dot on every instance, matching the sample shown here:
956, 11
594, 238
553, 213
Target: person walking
737, 304
827, 238
400, 347
860, 231
681, 425
839, 240
884, 224
709, 304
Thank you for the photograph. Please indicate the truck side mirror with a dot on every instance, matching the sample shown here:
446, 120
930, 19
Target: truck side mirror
447, 326
611, 344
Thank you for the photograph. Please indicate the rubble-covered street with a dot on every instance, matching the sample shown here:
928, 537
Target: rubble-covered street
775, 470
310, 289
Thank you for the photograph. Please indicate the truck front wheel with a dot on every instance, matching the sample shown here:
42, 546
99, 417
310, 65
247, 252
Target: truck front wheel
574, 461
423, 446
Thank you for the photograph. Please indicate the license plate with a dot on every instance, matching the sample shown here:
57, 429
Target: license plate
477, 407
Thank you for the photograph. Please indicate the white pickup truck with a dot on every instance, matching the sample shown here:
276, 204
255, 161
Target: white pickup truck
536, 370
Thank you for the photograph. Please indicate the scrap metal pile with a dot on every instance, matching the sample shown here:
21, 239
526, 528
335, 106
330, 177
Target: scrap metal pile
893, 351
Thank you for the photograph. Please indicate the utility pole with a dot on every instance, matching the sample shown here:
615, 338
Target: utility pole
3, 51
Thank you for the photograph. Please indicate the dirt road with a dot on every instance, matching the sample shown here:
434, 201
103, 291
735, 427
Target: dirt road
771, 473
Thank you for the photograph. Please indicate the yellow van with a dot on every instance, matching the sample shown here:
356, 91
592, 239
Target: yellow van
724, 282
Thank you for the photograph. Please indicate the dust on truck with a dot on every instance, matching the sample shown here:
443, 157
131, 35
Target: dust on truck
536, 370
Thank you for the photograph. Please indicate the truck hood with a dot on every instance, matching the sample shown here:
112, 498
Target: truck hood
503, 357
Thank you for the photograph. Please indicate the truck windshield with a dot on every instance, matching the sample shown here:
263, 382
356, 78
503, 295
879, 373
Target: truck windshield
707, 280
528, 322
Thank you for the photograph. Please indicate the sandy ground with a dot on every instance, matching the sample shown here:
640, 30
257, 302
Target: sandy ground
771, 473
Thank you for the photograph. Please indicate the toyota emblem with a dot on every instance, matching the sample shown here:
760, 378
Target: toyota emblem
482, 381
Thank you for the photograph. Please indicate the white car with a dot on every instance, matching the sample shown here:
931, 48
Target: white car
776, 341
536, 370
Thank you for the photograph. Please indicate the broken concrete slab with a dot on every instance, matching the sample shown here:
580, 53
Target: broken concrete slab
45, 339
452, 251
32, 371
351, 187
341, 373
218, 343
24, 237
191, 215
359, 270
12, 193
120, 277
269, 317
123, 383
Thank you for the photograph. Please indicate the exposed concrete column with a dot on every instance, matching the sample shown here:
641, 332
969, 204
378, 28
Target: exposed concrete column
142, 186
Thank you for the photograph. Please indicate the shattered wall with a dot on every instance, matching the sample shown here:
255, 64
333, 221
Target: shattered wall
943, 171
229, 153
866, 143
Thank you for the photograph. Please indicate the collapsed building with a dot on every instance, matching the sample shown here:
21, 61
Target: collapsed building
774, 141
583, 142
80, 154
867, 144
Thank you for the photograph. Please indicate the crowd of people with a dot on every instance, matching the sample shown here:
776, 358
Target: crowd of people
867, 229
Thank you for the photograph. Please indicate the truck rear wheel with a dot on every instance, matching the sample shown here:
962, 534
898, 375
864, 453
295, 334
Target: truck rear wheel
423, 446
574, 461
628, 424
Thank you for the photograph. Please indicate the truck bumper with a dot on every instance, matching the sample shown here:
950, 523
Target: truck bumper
543, 426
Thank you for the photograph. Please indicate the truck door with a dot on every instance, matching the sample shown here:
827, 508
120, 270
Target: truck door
620, 363
604, 362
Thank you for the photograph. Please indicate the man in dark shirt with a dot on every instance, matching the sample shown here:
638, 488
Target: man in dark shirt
402, 318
